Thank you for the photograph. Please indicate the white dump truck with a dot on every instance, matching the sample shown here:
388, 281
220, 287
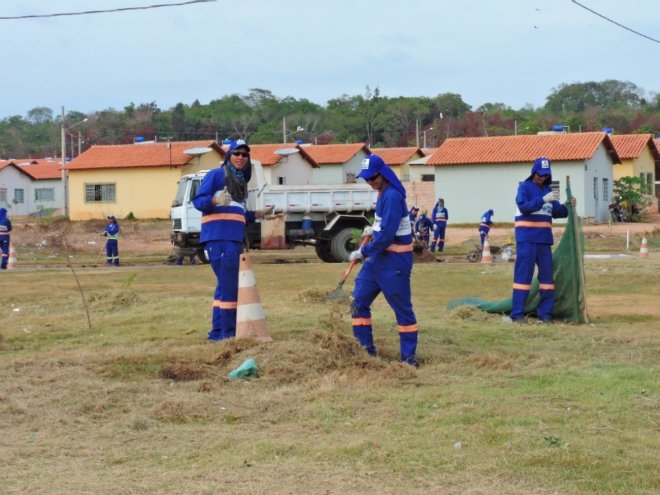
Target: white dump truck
324, 216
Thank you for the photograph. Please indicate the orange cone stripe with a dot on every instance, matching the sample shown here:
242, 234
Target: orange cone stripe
235, 217
249, 295
361, 321
225, 304
546, 286
408, 328
399, 248
544, 225
522, 286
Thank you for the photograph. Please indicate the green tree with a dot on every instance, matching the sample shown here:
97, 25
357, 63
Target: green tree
629, 193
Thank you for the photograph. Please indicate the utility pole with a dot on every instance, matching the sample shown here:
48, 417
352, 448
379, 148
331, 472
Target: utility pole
65, 189
417, 132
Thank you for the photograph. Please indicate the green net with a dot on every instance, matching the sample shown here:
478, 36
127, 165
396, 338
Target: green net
568, 271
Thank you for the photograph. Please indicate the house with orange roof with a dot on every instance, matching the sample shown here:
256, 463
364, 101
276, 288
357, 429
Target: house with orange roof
334, 163
398, 159
30, 186
139, 178
283, 164
476, 174
639, 158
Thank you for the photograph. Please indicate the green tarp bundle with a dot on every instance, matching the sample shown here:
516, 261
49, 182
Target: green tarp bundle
568, 272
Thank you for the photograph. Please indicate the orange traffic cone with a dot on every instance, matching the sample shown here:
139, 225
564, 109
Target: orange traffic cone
250, 316
11, 262
644, 249
486, 256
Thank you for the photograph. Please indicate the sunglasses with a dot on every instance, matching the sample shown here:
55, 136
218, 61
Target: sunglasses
244, 154
373, 178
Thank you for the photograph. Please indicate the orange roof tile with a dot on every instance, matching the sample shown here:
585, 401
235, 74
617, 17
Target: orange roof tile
43, 169
331, 154
139, 155
398, 156
265, 153
517, 149
630, 146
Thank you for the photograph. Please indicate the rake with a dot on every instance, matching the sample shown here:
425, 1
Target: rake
338, 293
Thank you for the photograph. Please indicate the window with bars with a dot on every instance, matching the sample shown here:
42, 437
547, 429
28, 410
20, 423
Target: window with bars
3, 195
350, 178
44, 194
100, 193
649, 183
606, 189
19, 196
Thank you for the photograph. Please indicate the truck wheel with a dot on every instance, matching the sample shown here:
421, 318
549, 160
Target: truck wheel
324, 253
342, 244
201, 254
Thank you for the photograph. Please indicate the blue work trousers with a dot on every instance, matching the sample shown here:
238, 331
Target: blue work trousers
224, 257
439, 237
4, 246
112, 252
395, 286
529, 254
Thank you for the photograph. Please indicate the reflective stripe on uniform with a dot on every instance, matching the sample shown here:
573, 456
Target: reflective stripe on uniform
522, 286
538, 225
408, 328
225, 304
234, 217
361, 321
546, 286
399, 248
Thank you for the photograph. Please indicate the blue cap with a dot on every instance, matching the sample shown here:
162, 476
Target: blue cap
239, 143
372, 165
541, 166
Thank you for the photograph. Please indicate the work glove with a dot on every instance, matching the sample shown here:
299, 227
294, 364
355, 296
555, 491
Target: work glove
551, 196
355, 255
222, 198
435, 227
367, 232
265, 212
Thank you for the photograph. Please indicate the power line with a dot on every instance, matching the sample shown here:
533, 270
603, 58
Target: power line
614, 22
122, 9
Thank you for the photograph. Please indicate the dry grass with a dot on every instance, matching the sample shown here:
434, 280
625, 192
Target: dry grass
142, 403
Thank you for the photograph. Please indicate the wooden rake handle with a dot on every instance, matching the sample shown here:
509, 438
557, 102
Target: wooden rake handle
348, 271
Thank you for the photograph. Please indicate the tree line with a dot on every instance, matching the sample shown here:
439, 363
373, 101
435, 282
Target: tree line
259, 117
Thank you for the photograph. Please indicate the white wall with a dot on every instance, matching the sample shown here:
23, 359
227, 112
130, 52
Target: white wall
599, 167
58, 200
471, 190
328, 174
11, 179
294, 168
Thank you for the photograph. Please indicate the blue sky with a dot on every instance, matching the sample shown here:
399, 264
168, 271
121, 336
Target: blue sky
509, 51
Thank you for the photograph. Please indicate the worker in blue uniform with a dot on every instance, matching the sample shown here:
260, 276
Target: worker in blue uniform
388, 260
5, 229
222, 199
439, 217
111, 233
422, 229
537, 204
414, 211
485, 224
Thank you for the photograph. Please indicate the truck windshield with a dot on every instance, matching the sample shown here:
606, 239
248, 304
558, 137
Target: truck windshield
180, 192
